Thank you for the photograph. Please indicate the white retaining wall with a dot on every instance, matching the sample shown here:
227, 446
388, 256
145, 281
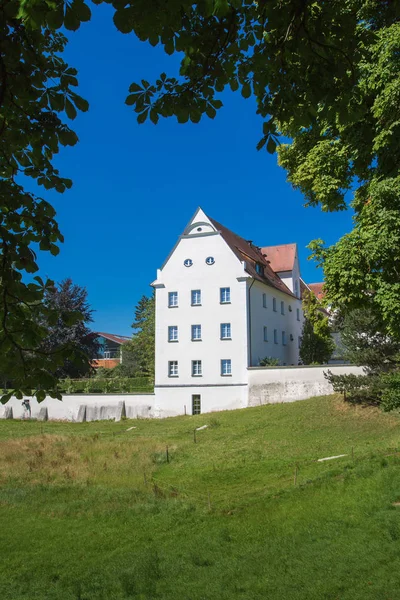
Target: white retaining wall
266, 385
270, 385
98, 407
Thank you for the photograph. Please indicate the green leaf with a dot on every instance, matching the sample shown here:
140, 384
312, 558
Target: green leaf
71, 20
154, 116
81, 10
40, 395
210, 111
70, 109
169, 47
143, 116
122, 20
80, 102
246, 90
131, 99
55, 18
134, 87
261, 143
271, 145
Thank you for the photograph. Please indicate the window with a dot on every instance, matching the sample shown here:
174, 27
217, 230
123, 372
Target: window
173, 333
296, 287
196, 332
225, 295
225, 331
299, 341
274, 304
172, 299
275, 336
282, 308
265, 334
196, 297
283, 338
298, 314
196, 404
259, 269
173, 368
265, 300
196, 368
226, 366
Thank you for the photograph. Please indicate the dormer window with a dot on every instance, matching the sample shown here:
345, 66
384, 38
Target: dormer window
259, 269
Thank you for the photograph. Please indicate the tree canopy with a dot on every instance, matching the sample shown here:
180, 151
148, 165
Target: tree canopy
142, 345
66, 299
325, 76
317, 344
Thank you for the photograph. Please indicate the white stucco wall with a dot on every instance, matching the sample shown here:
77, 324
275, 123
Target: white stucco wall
272, 385
171, 402
175, 277
101, 406
261, 316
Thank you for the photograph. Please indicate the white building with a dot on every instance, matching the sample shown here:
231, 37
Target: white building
222, 304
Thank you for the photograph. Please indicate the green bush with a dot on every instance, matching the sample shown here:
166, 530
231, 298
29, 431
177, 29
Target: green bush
116, 385
359, 389
391, 391
268, 361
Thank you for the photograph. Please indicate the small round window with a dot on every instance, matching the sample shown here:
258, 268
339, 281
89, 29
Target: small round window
188, 262
210, 260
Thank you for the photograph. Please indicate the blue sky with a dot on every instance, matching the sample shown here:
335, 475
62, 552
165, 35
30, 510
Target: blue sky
136, 186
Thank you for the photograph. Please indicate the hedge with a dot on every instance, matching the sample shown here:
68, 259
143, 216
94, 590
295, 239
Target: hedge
116, 385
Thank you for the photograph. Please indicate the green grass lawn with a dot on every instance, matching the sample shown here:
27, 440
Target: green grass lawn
92, 511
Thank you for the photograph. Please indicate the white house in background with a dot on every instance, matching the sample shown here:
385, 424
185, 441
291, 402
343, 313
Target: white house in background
222, 304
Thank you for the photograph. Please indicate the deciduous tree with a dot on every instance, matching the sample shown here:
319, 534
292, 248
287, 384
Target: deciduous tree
317, 344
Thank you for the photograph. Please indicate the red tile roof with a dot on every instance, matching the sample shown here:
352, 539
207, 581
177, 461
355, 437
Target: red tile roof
251, 254
281, 258
318, 290
119, 339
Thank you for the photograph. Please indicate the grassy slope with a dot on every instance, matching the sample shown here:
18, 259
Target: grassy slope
78, 522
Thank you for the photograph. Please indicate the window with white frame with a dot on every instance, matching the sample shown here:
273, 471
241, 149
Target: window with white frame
265, 300
226, 366
275, 336
265, 334
283, 338
196, 297
196, 368
282, 307
173, 368
196, 332
172, 299
225, 331
225, 295
173, 333
274, 304
298, 314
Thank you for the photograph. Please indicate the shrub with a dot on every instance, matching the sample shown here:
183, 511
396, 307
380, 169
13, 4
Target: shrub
269, 361
357, 389
391, 391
